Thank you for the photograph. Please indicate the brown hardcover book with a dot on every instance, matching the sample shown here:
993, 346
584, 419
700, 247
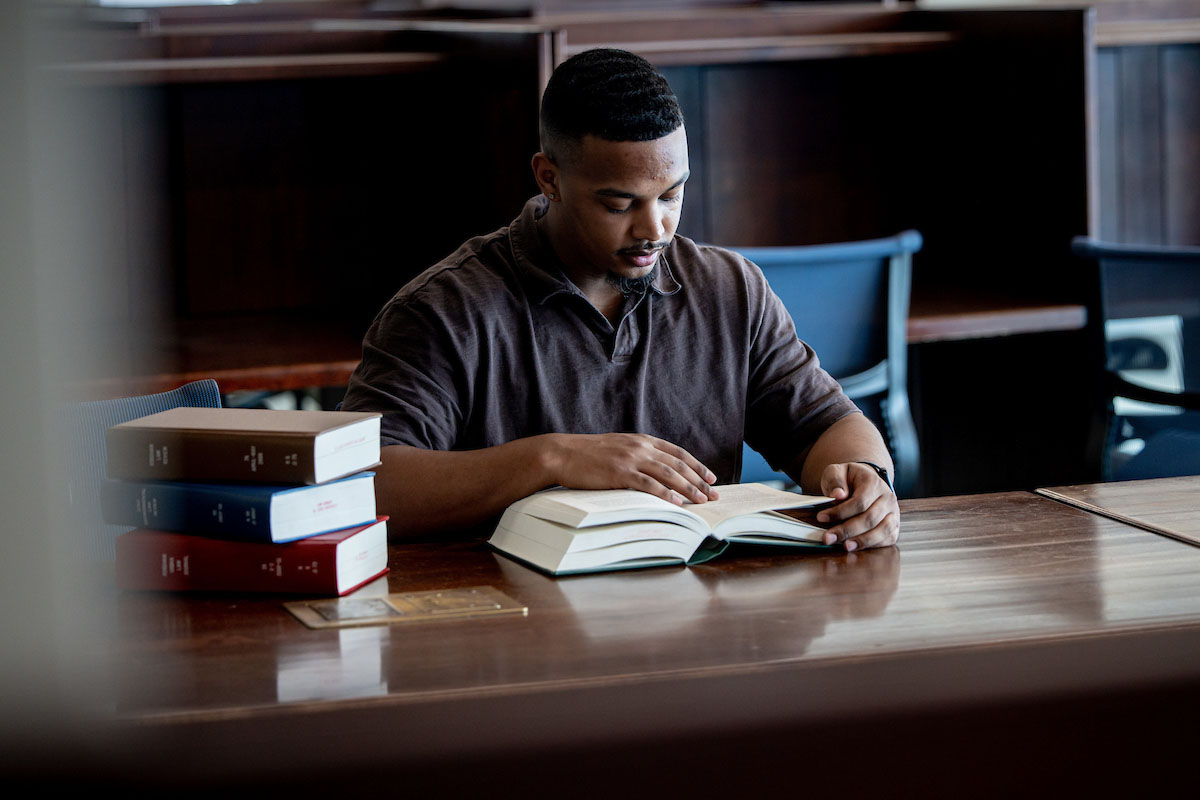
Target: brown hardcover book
239, 444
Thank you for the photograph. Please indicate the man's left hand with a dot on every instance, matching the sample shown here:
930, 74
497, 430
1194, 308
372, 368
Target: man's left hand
869, 514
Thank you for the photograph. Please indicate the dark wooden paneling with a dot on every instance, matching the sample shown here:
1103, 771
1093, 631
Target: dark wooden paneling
1149, 142
1140, 145
1181, 145
800, 153
330, 194
246, 219
1108, 64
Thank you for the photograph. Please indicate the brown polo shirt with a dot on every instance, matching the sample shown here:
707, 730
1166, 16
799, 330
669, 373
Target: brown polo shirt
495, 343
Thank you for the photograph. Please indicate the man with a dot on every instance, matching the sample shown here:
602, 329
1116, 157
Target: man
586, 345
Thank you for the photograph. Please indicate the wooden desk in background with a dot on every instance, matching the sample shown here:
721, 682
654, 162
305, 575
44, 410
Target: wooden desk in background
1009, 644
1168, 506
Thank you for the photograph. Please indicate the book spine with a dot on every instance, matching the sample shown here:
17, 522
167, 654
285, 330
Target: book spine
188, 508
195, 455
164, 561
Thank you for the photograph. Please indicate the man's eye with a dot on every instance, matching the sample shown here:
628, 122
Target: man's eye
613, 210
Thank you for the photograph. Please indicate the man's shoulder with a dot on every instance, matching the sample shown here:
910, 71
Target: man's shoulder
479, 267
689, 252
695, 261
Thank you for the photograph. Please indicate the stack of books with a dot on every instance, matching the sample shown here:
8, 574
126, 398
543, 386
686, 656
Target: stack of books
227, 499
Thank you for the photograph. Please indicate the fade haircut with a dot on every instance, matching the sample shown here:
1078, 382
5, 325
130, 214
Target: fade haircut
611, 94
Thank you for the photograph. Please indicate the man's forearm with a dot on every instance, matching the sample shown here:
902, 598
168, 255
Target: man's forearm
851, 438
428, 490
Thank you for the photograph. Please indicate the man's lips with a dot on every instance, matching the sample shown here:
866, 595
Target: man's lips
642, 258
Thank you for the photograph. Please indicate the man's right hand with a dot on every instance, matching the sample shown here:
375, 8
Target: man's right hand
628, 461
444, 490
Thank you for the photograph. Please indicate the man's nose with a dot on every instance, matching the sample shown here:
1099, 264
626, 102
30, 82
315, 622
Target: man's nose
649, 225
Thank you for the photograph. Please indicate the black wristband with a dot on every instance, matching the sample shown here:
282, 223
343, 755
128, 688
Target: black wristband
881, 472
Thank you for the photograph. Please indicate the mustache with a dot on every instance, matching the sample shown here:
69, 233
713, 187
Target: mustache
644, 248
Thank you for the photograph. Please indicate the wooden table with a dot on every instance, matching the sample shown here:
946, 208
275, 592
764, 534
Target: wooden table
1009, 643
1167, 506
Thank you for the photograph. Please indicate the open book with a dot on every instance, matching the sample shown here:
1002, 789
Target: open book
563, 531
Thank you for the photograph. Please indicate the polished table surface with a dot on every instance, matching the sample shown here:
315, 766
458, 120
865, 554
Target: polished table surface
1169, 506
990, 603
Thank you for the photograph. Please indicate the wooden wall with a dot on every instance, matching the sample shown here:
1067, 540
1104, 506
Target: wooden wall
1148, 129
328, 194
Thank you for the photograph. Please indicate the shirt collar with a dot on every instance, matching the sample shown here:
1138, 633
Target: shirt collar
539, 268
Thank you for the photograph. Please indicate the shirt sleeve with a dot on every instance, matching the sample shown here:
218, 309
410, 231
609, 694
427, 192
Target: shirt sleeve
414, 371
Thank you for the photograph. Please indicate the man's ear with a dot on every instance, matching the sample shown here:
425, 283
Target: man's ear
545, 172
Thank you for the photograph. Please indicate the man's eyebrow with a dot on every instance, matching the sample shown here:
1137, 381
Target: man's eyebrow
630, 196
616, 193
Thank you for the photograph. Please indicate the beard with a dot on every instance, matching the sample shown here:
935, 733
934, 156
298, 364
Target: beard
633, 286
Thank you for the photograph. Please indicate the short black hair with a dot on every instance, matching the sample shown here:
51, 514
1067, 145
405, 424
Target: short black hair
608, 93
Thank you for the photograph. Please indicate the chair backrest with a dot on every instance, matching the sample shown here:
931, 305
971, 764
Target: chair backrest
1144, 322
849, 301
86, 424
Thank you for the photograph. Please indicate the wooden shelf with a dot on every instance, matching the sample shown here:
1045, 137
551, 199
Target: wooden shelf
780, 48
959, 315
1122, 23
1120, 34
222, 52
155, 71
274, 352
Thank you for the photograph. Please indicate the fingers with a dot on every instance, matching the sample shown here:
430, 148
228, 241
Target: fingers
635, 461
674, 474
856, 484
835, 481
869, 517
877, 526
682, 470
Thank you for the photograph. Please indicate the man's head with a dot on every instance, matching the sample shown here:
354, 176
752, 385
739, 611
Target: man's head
609, 94
613, 164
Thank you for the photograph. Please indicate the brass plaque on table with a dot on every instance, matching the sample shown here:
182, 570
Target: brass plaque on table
342, 612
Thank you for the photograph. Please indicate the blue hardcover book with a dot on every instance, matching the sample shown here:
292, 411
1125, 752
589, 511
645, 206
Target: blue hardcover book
241, 511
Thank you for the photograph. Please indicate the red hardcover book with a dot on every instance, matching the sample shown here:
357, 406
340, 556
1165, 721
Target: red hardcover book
334, 563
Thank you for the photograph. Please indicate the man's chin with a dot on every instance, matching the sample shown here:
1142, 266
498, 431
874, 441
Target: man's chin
633, 280
634, 273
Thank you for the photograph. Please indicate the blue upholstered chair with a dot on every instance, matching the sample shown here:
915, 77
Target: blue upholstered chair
849, 302
86, 424
1144, 322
